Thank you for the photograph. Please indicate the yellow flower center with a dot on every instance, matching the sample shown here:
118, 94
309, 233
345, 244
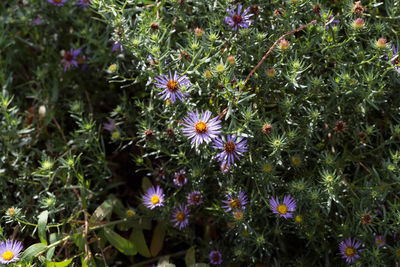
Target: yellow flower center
155, 199
282, 209
234, 203
172, 85
180, 216
296, 161
230, 147
299, 219
8, 255
200, 127
350, 252
267, 167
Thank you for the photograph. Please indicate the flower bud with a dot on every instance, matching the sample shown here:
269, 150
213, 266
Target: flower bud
42, 111
381, 43
208, 74
198, 32
231, 60
271, 73
358, 23
284, 44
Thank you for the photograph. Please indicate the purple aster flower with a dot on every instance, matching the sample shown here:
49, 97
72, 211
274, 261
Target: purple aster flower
180, 178
215, 257
37, 21
232, 148
172, 86
117, 46
10, 251
181, 217
284, 209
200, 128
331, 22
349, 249
379, 241
83, 3
109, 126
234, 201
57, 2
395, 59
195, 198
225, 168
70, 58
238, 19
154, 197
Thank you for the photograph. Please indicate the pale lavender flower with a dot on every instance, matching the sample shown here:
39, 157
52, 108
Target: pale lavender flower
154, 197
180, 178
70, 58
57, 2
331, 22
10, 251
379, 241
349, 249
109, 126
238, 19
181, 217
83, 3
235, 201
215, 257
200, 128
117, 46
284, 209
232, 148
172, 86
195, 198
37, 21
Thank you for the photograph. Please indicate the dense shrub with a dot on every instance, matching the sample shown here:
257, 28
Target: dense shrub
223, 132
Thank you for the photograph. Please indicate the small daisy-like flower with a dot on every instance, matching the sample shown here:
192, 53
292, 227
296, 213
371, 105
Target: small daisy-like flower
57, 2
154, 197
349, 249
200, 128
239, 18
195, 198
181, 217
10, 251
180, 178
83, 3
379, 241
215, 257
70, 58
235, 201
232, 148
172, 86
284, 209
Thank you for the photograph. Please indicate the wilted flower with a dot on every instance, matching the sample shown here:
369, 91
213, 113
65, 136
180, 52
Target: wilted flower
215, 257
235, 201
267, 128
181, 217
366, 219
180, 178
198, 31
154, 197
200, 128
232, 148
349, 249
340, 127
10, 251
70, 58
238, 19
195, 198
379, 241
357, 8
271, 73
284, 209
57, 2
83, 3
172, 86
231, 60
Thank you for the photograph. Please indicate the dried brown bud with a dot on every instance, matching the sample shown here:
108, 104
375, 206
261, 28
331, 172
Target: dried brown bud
170, 132
149, 134
267, 129
255, 10
316, 9
357, 8
220, 86
340, 127
366, 219
154, 26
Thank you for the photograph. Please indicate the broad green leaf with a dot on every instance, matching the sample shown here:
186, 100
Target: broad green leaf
33, 251
123, 245
157, 241
102, 211
190, 257
137, 238
58, 264
50, 252
42, 223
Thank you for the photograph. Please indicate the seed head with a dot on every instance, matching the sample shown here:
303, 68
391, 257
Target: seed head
267, 129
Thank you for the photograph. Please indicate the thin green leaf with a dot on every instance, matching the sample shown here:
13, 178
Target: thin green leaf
123, 245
